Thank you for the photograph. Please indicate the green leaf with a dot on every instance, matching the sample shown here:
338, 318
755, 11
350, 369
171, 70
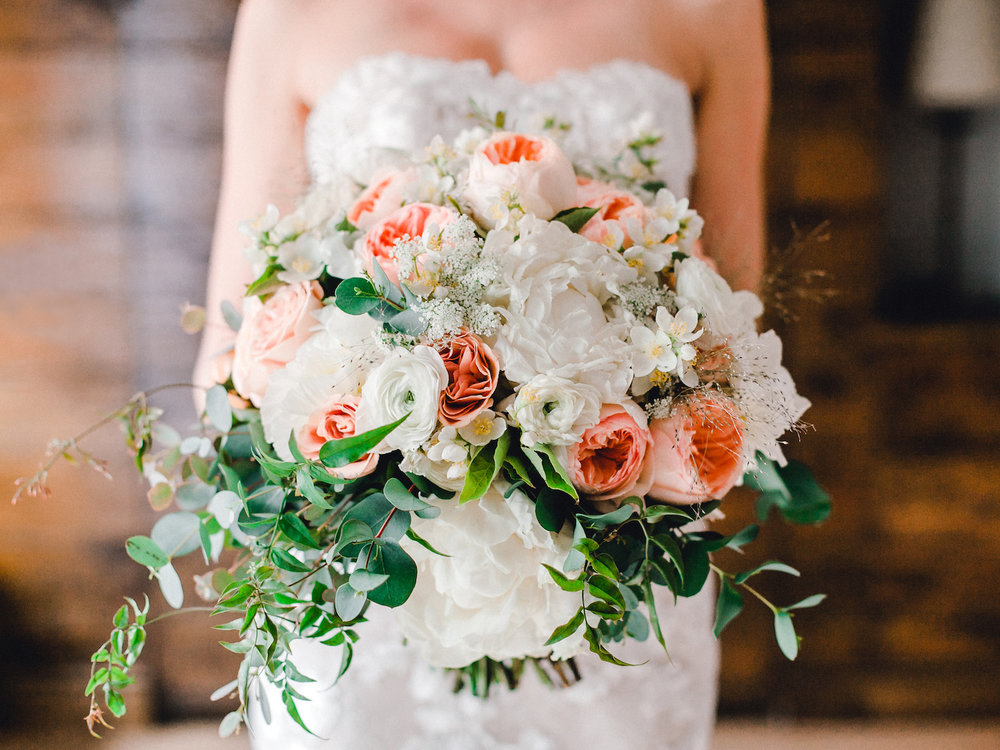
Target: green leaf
286, 561
356, 296
393, 561
266, 282
743, 537
408, 322
484, 468
791, 489
352, 531
427, 487
658, 511
554, 472
567, 629
365, 580
336, 453
411, 534
654, 617
576, 559
170, 585
177, 533
809, 601
307, 488
292, 709
607, 590
784, 632
293, 527
349, 602
120, 620
696, 568
636, 625
382, 515
605, 565
230, 723
116, 704
230, 314
553, 509
769, 565
218, 409
575, 218
614, 518
729, 604
563, 581
397, 494
146, 552
99, 678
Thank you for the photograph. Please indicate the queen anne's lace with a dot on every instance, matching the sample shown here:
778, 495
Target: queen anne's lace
389, 698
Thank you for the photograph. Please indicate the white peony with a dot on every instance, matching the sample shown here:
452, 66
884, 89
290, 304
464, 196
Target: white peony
554, 410
334, 360
728, 313
406, 382
490, 596
556, 286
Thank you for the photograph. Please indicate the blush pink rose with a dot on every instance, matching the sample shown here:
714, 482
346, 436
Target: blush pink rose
270, 335
408, 221
383, 196
697, 452
334, 420
533, 167
473, 372
607, 464
612, 204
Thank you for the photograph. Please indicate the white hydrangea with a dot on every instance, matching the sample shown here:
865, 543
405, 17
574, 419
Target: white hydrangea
727, 313
488, 595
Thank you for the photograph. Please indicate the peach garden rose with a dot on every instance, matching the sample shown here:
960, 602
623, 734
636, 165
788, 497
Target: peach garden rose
530, 171
411, 221
607, 463
332, 421
473, 371
697, 452
271, 333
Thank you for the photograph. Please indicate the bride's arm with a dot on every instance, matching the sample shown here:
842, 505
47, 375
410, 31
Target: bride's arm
731, 129
262, 160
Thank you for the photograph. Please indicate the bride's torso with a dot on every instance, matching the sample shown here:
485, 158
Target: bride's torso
389, 698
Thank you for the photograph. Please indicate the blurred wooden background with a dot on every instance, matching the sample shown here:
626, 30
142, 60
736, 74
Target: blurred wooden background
110, 120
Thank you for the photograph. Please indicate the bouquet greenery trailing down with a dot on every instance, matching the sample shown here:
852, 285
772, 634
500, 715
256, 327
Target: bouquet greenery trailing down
486, 336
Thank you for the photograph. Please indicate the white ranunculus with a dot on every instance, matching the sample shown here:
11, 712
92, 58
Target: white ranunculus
489, 594
406, 382
556, 286
334, 360
554, 410
728, 313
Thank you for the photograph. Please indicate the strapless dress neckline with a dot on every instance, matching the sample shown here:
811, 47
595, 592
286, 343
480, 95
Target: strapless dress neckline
399, 101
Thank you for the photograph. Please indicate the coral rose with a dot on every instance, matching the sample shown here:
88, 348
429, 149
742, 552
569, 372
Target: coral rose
383, 196
270, 335
332, 421
612, 204
697, 452
473, 371
531, 171
409, 221
607, 463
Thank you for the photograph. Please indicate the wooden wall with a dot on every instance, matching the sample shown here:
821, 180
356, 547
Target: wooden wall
109, 146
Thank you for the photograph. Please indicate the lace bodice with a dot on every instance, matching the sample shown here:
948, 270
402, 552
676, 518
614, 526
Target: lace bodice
399, 101
390, 699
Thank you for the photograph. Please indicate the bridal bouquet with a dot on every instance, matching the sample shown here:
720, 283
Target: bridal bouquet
491, 390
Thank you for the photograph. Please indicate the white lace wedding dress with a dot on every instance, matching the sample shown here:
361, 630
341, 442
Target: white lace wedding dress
390, 699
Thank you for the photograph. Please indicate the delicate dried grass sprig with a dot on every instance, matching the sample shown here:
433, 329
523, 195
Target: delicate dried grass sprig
784, 287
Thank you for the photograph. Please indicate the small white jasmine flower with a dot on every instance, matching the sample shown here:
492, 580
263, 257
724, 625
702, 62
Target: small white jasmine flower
668, 350
254, 228
303, 259
484, 428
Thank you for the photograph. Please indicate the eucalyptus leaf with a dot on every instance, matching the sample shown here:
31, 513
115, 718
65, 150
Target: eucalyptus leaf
146, 552
809, 601
401, 497
349, 602
231, 315
393, 561
230, 723
217, 408
365, 580
784, 632
170, 585
287, 561
177, 533
356, 296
